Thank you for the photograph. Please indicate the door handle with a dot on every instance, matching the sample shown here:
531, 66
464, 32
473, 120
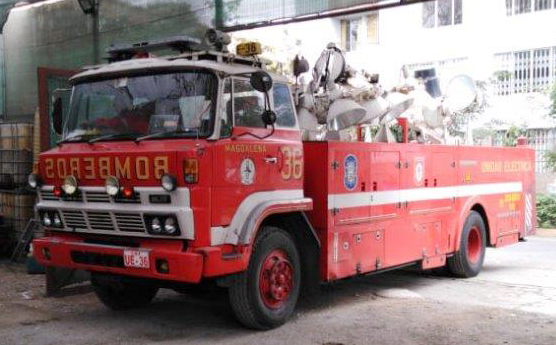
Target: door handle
271, 160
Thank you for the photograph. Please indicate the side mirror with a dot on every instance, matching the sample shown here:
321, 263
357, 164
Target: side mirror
57, 115
300, 65
261, 81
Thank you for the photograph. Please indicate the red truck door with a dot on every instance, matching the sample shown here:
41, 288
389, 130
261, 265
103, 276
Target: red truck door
386, 206
444, 174
247, 160
240, 168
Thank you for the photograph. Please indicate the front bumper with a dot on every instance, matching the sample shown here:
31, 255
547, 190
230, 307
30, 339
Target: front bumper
73, 252
187, 265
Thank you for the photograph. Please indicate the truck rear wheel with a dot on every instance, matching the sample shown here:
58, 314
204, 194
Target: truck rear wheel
118, 295
468, 260
265, 296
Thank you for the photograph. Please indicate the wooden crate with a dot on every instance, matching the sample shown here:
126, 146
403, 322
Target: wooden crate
16, 136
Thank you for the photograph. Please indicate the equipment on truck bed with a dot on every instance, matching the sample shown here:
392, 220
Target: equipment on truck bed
341, 102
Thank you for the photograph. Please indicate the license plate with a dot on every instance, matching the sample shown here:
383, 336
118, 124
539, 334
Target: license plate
136, 258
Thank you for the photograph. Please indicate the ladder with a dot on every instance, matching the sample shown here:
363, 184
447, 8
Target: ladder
25, 239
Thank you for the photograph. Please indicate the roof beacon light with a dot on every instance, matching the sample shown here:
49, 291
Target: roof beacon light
218, 39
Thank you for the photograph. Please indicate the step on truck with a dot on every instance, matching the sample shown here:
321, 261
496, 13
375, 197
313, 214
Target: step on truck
189, 169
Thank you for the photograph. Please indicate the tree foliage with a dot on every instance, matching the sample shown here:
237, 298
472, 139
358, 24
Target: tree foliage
553, 102
511, 135
546, 211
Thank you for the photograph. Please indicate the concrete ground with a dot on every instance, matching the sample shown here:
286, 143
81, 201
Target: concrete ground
513, 301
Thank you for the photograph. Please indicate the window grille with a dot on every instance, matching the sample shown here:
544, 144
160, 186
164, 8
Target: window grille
515, 7
525, 71
445, 69
542, 140
442, 13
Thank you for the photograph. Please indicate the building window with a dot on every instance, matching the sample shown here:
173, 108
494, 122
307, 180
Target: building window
372, 28
442, 13
514, 7
359, 31
350, 33
525, 71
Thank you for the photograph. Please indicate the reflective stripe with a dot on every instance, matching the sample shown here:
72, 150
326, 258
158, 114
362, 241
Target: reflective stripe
528, 213
419, 194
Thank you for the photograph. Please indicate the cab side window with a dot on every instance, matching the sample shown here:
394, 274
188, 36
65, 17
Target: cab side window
283, 107
248, 105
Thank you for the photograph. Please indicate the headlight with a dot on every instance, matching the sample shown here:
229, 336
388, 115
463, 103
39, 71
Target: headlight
168, 182
51, 218
56, 220
46, 221
70, 185
34, 180
170, 226
156, 225
165, 225
112, 186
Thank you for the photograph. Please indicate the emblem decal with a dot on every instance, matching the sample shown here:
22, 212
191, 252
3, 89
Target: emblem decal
419, 172
247, 171
350, 172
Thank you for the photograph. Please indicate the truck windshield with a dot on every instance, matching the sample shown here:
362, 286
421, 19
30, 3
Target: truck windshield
125, 108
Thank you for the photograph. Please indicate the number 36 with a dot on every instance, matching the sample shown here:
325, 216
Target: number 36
293, 163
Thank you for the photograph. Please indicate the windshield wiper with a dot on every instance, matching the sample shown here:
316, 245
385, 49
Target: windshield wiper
170, 133
113, 136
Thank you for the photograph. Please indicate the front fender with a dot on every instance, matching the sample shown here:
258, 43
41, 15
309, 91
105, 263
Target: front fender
253, 210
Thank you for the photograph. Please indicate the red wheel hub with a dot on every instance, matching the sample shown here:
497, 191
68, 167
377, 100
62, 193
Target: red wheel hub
276, 279
474, 245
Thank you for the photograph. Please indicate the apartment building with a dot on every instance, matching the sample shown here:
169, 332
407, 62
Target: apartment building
508, 44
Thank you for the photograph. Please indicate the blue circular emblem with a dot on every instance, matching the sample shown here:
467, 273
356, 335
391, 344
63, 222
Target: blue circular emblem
350, 172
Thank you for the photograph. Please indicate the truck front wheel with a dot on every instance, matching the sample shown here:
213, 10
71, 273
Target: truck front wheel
265, 295
468, 260
122, 295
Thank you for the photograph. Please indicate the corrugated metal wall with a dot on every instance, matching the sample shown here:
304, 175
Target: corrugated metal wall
60, 35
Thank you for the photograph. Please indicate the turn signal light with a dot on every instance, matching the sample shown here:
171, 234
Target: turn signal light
128, 192
57, 192
191, 170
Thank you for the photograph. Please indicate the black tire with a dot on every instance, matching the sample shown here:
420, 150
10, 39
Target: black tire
468, 260
246, 297
120, 295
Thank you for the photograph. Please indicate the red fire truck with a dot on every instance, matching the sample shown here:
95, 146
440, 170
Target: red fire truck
175, 171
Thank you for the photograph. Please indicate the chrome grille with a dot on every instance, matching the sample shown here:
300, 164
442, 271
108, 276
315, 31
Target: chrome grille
129, 222
77, 197
97, 197
135, 199
48, 195
74, 219
100, 220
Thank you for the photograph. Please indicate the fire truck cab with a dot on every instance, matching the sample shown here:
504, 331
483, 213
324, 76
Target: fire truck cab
178, 170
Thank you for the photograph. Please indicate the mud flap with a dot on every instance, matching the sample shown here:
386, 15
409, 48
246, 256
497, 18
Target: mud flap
57, 278
506, 240
433, 262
